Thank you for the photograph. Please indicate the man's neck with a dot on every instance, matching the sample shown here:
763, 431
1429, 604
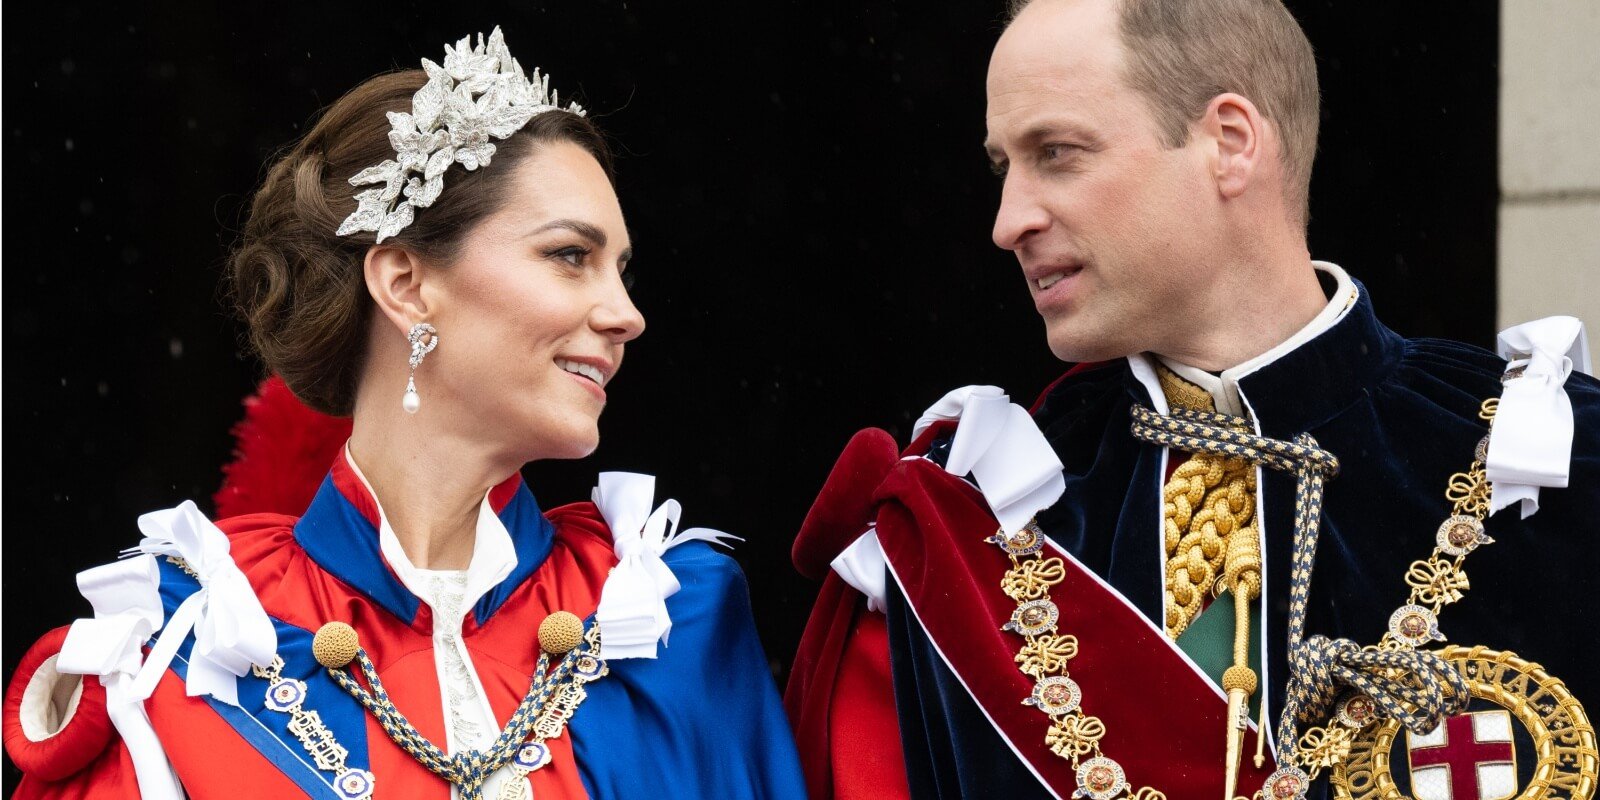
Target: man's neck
1223, 385
1246, 317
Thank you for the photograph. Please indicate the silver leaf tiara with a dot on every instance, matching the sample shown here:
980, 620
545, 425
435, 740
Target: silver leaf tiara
480, 93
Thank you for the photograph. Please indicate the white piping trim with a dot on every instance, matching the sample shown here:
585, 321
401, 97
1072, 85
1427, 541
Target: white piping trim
1337, 308
1160, 539
1143, 367
1160, 633
963, 682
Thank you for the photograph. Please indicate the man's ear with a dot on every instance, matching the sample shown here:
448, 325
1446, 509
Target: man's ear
1238, 131
395, 278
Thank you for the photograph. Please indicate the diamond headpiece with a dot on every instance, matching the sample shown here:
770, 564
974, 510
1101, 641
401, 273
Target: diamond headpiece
480, 93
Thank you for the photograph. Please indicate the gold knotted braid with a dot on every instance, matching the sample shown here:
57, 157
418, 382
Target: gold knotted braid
1219, 540
1208, 515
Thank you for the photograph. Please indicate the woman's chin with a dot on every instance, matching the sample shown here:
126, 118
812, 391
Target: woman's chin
560, 436
573, 445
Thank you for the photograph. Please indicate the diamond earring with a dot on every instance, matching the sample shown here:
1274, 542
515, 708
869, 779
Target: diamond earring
423, 339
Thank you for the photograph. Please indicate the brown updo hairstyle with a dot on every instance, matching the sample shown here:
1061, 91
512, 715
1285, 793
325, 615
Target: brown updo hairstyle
300, 289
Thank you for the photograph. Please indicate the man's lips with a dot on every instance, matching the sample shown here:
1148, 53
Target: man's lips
1051, 286
1042, 278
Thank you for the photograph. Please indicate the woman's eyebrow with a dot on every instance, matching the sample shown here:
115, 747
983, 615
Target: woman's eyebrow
584, 229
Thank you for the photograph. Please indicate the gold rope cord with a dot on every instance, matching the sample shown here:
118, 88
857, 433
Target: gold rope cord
1219, 540
1208, 515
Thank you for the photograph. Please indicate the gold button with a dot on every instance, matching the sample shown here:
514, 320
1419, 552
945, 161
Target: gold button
335, 645
560, 632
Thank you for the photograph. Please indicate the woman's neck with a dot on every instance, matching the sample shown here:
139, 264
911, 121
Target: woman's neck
429, 486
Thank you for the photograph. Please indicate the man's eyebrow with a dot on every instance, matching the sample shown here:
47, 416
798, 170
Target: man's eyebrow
1038, 132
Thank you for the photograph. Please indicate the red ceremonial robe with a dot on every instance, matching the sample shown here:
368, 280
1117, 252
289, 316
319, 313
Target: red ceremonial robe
702, 719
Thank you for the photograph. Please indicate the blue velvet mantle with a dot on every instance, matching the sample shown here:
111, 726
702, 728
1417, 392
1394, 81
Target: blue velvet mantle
1402, 417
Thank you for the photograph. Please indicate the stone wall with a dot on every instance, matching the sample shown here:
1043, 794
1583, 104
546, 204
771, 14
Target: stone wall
1549, 259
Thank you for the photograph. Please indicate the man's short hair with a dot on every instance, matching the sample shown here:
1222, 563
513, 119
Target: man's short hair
1183, 53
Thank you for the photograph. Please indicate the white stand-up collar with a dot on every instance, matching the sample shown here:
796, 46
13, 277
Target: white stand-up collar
493, 555
1224, 386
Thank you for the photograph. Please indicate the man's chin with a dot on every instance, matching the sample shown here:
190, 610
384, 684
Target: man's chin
1076, 347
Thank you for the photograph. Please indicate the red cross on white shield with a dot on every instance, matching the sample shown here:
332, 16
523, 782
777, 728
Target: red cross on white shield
1469, 757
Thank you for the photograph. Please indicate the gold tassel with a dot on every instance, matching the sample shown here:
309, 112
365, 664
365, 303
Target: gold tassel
1243, 574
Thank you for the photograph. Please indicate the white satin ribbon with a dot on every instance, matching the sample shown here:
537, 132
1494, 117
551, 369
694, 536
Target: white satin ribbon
864, 566
1532, 441
1001, 446
633, 603
231, 630
127, 611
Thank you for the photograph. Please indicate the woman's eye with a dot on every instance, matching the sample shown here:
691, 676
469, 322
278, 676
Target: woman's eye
571, 255
628, 279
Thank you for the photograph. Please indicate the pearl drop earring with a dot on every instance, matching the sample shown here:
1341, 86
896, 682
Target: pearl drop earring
423, 339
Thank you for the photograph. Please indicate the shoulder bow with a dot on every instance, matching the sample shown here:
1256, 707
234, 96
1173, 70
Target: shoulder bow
1001, 446
1531, 445
127, 612
231, 632
633, 603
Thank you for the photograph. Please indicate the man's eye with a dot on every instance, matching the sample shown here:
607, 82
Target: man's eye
999, 168
629, 279
1056, 152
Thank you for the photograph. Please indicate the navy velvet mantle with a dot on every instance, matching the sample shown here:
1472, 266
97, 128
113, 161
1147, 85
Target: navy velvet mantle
1402, 416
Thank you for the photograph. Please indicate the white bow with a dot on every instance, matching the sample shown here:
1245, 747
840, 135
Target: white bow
633, 603
231, 630
864, 566
1532, 441
127, 611
1000, 444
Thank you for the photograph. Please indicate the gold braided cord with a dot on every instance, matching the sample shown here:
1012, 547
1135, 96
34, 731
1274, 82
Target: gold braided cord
1208, 510
1212, 546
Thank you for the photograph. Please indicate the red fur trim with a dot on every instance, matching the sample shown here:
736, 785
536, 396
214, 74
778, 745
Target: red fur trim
281, 453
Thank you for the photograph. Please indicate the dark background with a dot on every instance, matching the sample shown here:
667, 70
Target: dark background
806, 191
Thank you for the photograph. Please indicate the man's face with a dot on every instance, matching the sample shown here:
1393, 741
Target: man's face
1098, 210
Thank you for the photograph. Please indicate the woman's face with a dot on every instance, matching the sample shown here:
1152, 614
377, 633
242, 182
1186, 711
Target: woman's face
533, 316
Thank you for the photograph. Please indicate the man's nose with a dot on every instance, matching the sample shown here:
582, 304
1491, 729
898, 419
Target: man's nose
1020, 213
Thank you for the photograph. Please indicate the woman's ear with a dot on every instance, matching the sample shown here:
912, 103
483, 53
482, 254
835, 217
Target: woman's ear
395, 278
